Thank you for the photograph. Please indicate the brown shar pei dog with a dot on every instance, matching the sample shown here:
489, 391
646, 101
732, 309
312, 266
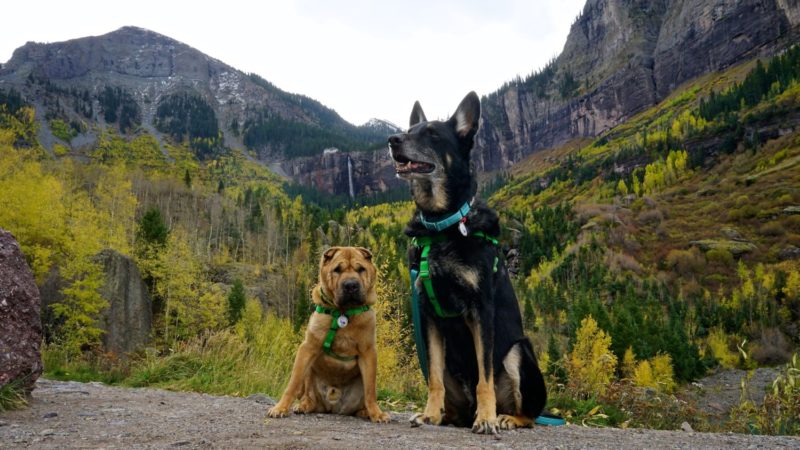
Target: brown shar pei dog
335, 367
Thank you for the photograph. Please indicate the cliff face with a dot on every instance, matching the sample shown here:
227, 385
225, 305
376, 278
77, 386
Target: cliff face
622, 56
344, 173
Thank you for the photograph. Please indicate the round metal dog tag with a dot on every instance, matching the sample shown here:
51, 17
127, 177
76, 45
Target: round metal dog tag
463, 229
342, 321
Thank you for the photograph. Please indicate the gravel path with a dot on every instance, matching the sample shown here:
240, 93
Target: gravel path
93, 415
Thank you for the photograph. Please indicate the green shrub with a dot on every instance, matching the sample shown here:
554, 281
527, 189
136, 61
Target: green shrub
720, 256
743, 212
685, 262
62, 130
773, 228
792, 223
779, 414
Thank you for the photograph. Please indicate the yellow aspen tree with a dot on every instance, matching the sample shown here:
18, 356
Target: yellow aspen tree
592, 363
115, 199
628, 363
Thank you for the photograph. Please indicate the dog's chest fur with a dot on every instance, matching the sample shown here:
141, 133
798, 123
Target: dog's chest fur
459, 265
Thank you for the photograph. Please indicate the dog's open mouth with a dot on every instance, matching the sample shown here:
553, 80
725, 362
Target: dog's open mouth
403, 165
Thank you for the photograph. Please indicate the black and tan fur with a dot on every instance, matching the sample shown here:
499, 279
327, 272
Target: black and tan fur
482, 368
323, 383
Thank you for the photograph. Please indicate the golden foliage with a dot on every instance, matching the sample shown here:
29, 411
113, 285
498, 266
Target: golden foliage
656, 373
591, 364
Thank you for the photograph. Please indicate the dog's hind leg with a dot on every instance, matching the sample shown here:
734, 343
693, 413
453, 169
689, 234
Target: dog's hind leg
511, 364
434, 409
308, 399
486, 415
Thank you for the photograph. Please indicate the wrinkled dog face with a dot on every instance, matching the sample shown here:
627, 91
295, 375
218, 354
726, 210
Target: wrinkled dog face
347, 273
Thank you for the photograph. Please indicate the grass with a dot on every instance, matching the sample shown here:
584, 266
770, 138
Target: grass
254, 357
12, 396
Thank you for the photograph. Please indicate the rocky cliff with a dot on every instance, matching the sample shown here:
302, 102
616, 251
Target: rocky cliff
128, 319
620, 57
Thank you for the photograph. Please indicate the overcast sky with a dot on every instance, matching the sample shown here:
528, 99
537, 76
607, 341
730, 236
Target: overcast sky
362, 58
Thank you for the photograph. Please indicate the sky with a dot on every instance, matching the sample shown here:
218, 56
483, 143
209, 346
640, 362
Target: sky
362, 58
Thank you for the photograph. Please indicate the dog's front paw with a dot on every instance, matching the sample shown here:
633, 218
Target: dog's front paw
379, 417
485, 426
420, 419
302, 409
278, 411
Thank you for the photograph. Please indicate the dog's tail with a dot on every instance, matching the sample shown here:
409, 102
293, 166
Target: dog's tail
532, 388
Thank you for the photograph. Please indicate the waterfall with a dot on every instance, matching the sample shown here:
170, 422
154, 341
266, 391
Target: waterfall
350, 176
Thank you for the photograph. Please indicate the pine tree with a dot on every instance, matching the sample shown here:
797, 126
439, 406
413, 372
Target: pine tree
152, 229
529, 315
236, 301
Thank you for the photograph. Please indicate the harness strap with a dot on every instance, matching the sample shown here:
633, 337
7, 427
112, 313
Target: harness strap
424, 273
335, 313
425, 242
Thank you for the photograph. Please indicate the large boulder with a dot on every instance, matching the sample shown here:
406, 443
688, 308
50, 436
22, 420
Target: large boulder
21, 336
128, 319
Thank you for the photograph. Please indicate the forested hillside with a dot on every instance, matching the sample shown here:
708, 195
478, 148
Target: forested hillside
662, 250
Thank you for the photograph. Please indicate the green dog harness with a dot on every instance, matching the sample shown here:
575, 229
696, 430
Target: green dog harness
425, 242
339, 319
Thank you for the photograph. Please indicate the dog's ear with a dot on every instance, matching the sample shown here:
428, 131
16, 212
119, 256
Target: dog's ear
329, 254
465, 120
417, 115
366, 253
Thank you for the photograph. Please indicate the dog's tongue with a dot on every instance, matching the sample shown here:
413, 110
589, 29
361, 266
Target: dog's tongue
410, 166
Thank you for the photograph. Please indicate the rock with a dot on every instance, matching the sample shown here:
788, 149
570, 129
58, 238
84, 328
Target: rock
685, 426
790, 252
732, 234
20, 306
128, 319
736, 248
791, 210
261, 398
49, 415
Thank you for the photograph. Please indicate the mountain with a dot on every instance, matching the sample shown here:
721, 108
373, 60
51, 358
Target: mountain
138, 80
621, 57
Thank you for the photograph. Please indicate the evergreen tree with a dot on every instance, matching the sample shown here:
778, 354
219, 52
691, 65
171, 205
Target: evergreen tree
152, 229
555, 366
236, 301
529, 315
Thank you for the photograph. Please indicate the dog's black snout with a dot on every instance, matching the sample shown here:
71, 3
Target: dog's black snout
351, 286
395, 140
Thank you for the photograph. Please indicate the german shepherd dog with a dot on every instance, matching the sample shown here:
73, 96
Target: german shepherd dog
482, 367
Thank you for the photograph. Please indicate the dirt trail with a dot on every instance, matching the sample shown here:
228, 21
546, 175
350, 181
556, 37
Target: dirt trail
92, 415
